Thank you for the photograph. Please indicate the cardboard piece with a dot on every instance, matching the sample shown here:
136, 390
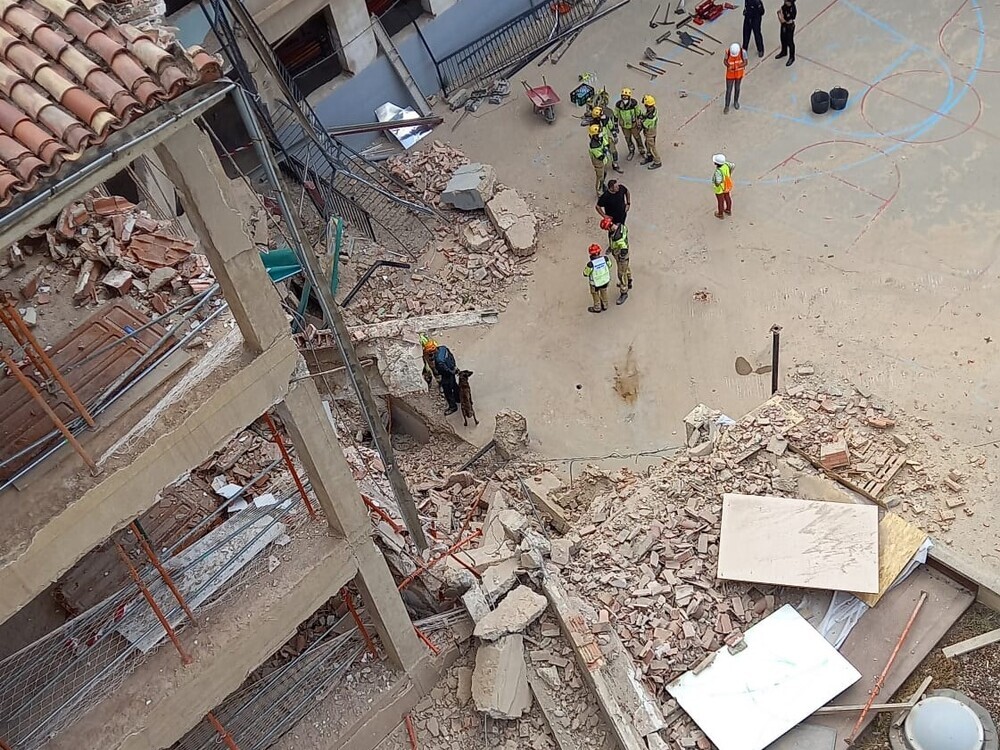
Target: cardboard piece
747, 700
898, 542
802, 543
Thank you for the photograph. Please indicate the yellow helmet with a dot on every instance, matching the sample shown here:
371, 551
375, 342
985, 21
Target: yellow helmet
626, 93
594, 129
649, 101
596, 112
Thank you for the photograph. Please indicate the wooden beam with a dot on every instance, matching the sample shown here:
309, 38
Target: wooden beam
971, 644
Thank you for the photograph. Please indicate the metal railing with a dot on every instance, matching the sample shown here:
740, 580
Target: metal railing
510, 43
338, 180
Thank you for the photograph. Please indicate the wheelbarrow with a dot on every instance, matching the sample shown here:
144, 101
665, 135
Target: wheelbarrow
543, 100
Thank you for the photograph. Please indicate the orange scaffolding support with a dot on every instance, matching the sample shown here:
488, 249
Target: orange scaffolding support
185, 656
411, 732
288, 462
450, 551
349, 601
221, 731
164, 574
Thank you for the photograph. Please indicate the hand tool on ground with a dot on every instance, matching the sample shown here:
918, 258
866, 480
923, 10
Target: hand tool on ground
689, 47
685, 21
666, 15
653, 68
690, 40
651, 55
660, 39
706, 34
652, 21
644, 72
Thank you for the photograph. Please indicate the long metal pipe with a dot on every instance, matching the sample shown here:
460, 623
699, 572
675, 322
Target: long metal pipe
367, 275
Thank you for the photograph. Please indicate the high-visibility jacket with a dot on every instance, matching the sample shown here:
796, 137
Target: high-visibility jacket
618, 240
599, 146
627, 111
736, 66
722, 180
649, 118
609, 125
598, 271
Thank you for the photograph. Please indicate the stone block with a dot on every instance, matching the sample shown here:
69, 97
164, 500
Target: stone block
470, 187
540, 489
562, 551
500, 681
475, 603
498, 580
515, 221
516, 611
464, 693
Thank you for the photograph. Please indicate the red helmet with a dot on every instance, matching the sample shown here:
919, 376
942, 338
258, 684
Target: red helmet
606, 223
594, 250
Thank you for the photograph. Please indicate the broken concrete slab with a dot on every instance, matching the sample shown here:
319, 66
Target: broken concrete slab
513, 614
562, 551
500, 681
512, 217
554, 715
513, 523
541, 489
510, 435
470, 187
475, 603
464, 692
499, 579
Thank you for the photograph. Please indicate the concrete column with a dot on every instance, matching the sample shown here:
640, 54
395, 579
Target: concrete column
323, 459
193, 167
436, 7
352, 25
384, 604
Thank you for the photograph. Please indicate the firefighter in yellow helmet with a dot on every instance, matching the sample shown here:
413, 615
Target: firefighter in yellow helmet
430, 372
600, 153
600, 116
648, 121
627, 112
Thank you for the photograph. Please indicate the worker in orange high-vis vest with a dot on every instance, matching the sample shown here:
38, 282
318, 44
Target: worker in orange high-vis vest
736, 65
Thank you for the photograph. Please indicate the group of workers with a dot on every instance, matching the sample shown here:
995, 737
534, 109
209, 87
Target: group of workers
440, 366
637, 123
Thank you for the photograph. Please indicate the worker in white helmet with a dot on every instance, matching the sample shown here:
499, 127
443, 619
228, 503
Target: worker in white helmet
736, 65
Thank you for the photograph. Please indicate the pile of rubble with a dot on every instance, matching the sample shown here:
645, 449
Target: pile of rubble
114, 249
474, 258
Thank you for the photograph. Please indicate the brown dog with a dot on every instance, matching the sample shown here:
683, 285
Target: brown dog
465, 397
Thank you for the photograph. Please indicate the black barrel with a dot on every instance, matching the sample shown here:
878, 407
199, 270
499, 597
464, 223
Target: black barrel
838, 98
820, 102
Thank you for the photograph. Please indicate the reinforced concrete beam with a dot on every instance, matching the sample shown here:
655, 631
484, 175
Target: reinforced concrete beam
35, 551
162, 700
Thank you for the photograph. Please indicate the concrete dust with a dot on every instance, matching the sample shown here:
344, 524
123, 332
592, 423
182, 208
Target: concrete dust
627, 378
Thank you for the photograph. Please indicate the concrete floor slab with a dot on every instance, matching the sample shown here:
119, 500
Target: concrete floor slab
867, 233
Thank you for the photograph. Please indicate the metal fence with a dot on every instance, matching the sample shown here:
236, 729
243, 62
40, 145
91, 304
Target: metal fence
510, 43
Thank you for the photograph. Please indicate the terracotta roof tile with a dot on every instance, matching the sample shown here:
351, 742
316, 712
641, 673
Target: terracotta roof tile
70, 75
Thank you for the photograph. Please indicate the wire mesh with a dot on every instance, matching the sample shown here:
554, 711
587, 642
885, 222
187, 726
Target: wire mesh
55, 680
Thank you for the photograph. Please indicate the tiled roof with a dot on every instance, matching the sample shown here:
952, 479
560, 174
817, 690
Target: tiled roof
70, 76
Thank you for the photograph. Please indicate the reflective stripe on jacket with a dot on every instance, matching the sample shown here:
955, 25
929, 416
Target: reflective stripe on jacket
598, 271
735, 66
627, 112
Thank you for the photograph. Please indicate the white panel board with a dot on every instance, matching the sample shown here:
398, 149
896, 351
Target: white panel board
806, 543
747, 700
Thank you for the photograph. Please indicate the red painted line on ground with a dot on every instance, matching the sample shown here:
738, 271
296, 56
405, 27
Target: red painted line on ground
830, 5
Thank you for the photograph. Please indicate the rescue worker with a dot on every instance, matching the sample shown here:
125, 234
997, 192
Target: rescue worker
599, 154
722, 182
598, 273
786, 15
446, 369
618, 249
736, 65
609, 126
647, 122
627, 113
753, 14
429, 345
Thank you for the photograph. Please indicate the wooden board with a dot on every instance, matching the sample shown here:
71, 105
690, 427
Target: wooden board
971, 644
803, 543
873, 638
898, 542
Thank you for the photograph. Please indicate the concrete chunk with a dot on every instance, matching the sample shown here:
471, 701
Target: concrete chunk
498, 580
475, 604
470, 187
514, 220
518, 610
464, 693
500, 682
514, 523
562, 551
540, 489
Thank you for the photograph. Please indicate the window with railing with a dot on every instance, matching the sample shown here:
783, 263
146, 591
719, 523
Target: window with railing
310, 53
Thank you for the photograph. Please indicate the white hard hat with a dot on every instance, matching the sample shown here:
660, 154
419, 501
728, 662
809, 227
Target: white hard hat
719, 159
734, 49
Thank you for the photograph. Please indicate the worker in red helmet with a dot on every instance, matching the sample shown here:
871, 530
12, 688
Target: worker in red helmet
618, 249
598, 273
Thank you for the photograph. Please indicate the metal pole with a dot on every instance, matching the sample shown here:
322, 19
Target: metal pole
185, 656
52, 369
15, 331
221, 731
288, 462
775, 349
451, 550
30, 388
167, 578
341, 335
349, 601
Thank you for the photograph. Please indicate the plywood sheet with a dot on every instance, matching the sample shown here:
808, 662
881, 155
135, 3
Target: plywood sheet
873, 638
747, 700
898, 542
803, 543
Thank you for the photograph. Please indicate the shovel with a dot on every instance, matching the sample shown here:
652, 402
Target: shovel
644, 72
651, 56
